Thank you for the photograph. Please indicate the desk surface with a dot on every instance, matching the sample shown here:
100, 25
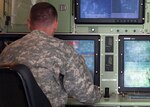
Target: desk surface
116, 100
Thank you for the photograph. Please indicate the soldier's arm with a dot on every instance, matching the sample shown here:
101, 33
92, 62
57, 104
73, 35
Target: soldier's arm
78, 81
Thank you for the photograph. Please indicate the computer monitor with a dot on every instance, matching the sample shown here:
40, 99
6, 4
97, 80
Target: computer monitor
86, 45
109, 11
89, 47
134, 63
7, 38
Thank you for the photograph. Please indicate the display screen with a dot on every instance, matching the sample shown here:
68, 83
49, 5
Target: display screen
7, 38
109, 8
89, 47
134, 63
109, 11
86, 45
137, 63
87, 50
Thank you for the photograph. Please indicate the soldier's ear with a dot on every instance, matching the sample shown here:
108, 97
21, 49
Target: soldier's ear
55, 25
29, 24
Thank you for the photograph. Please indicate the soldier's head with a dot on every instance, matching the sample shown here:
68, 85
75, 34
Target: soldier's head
43, 16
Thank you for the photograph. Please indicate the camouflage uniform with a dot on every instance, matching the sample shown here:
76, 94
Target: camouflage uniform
48, 58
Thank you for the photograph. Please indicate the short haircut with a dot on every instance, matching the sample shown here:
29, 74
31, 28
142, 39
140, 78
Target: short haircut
43, 14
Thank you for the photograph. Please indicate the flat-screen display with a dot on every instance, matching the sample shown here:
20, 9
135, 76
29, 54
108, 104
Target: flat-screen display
109, 11
7, 38
89, 47
86, 45
86, 49
134, 63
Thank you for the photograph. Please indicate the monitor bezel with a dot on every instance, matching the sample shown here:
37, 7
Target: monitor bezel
140, 20
121, 87
96, 39
11, 36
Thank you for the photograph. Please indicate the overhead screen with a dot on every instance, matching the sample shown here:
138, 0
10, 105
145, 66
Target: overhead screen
134, 63
109, 11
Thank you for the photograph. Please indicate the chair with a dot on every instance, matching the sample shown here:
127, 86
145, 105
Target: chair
18, 88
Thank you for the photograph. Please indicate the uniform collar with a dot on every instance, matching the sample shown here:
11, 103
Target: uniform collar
41, 33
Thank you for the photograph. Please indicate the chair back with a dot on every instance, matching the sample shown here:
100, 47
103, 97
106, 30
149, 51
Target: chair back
18, 88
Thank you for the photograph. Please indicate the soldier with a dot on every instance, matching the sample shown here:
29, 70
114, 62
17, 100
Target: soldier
50, 58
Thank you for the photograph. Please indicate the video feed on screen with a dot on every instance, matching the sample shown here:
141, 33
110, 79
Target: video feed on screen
109, 8
137, 63
86, 49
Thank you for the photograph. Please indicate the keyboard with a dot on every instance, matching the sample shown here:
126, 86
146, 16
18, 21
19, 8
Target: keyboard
139, 96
